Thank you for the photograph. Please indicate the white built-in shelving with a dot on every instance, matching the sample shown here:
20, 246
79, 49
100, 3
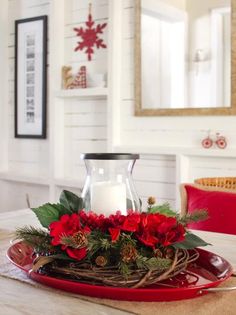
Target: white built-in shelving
88, 93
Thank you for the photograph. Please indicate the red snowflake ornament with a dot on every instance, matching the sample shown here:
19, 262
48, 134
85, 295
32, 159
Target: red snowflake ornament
89, 35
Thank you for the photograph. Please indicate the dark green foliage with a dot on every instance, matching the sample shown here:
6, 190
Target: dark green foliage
49, 213
162, 209
191, 241
70, 201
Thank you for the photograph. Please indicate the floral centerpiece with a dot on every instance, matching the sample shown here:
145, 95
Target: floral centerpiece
133, 250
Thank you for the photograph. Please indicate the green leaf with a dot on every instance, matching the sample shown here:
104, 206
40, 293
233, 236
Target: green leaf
163, 209
49, 213
191, 241
71, 201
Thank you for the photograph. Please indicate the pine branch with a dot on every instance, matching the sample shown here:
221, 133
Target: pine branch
154, 263
124, 269
39, 239
105, 244
196, 216
127, 239
99, 242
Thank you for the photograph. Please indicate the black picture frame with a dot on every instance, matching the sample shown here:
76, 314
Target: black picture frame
31, 77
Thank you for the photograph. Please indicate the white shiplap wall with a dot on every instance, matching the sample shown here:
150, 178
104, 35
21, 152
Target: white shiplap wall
85, 120
25, 156
85, 131
154, 175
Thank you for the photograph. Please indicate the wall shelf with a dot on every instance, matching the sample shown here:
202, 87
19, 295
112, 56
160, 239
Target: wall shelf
59, 182
95, 93
189, 151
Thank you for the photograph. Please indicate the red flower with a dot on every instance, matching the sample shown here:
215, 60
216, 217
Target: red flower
67, 225
116, 220
95, 221
115, 233
148, 239
77, 254
175, 235
158, 229
131, 222
69, 233
166, 225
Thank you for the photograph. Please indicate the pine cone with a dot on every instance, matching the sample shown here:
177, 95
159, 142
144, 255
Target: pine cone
128, 253
151, 201
101, 261
80, 239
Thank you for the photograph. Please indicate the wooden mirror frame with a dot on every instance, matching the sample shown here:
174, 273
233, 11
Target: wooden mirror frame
139, 111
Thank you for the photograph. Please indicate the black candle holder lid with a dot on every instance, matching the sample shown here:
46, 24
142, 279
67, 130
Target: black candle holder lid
109, 156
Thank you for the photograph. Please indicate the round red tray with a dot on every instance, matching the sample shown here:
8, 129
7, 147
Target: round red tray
208, 271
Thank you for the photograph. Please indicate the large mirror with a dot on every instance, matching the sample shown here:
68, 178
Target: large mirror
185, 57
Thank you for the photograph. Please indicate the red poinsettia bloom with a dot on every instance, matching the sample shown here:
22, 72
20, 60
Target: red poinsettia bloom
69, 233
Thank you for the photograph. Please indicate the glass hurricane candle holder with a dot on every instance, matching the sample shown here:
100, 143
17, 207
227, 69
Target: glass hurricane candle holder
109, 185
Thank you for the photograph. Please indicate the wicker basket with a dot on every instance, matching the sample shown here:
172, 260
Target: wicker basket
223, 182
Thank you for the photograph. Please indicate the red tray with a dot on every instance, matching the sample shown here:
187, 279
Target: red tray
209, 271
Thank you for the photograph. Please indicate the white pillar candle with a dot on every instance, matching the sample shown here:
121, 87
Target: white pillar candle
108, 197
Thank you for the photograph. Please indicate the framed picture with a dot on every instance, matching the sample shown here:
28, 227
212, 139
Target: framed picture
30, 77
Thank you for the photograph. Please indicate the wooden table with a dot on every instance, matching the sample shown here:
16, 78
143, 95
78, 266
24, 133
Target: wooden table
21, 298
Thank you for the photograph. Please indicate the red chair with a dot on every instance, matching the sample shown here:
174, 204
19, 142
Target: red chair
219, 202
